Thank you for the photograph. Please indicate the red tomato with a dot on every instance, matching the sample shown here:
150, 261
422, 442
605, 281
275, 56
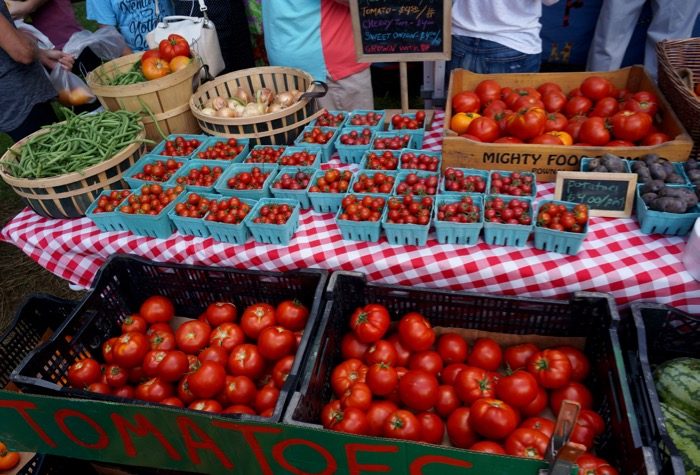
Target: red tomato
402, 424
432, 428
346, 374
555, 121
151, 53
292, 314
415, 332
163, 340
370, 323
275, 342
207, 381
537, 405
239, 390
528, 443
418, 390
174, 45
588, 425
157, 308
465, 101
631, 126
554, 101
447, 400
246, 360
192, 336
358, 395
605, 107
486, 353
488, 91
577, 105
484, 128
452, 348
518, 389
239, 409
459, 428
99, 388
350, 420
281, 370
377, 415
596, 88
546, 139
83, 373
450, 372
213, 353
266, 398
474, 383
428, 360
551, 368
542, 424
516, 356
134, 323
492, 418
589, 464
382, 379
574, 126
129, 349
642, 101
220, 312
115, 376
576, 392
153, 390
125, 392
580, 366
548, 87
527, 123
402, 353
594, 132
205, 405
382, 351
107, 348
255, 318
351, 347
226, 336
173, 365
488, 447
656, 138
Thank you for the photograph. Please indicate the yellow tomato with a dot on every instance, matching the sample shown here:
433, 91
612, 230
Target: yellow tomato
179, 62
461, 120
565, 138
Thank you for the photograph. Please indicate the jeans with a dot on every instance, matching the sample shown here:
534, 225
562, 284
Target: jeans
488, 57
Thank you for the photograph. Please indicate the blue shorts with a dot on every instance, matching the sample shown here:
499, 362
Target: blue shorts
488, 57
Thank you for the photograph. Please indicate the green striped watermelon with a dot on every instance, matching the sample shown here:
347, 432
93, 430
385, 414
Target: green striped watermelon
685, 434
678, 384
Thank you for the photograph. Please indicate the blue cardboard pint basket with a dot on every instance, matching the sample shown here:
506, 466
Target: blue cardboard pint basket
326, 149
584, 166
290, 151
564, 242
300, 196
334, 113
370, 173
191, 226
352, 153
250, 157
418, 152
504, 173
158, 226
364, 163
405, 234
324, 202
417, 134
360, 230
136, 168
379, 126
500, 234
198, 163
158, 149
273, 233
221, 187
107, 221
391, 134
468, 172
458, 233
402, 174
661, 222
238, 158
228, 232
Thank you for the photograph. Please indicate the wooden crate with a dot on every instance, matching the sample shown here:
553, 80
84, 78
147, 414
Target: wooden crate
546, 160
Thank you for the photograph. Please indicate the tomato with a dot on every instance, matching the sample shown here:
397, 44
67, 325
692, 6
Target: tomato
350, 420
178, 63
632, 126
551, 368
402, 353
358, 395
83, 373
382, 351
207, 381
488, 91
246, 360
573, 128
281, 370
577, 105
594, 132
605, 107
292, 314
129, 349
220, 312
107, 348
461, 121
452, 348
153, 390
115, 376
415, 332
370, 323
382, 379
161, 339
555, 121
402, 424
564, 137
213, 353
656, 138
266, 398
493, 418
378, 413
205, 405
516, 356
546, 139
432, 428
537, 405
99, 387
527, 123
576, 392
488, 447
528, 443
547, 87
596, 88
542, 424
418, 390
459, 428
486, 354
226, 336
428, 360
183, 390
466, 101
580, 366
172, 366
518, 389
124, 391
134, 323
8, 459
256, 317
554, 101
239, 390
588, 425
642, 102
474, 383
157, 308
192, 336
346, 374
174, 45
485, 128
589, 464
351, 347
447, 400
239, 409
275, 342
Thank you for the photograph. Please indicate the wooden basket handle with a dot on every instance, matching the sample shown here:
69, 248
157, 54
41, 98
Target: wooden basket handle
315, 94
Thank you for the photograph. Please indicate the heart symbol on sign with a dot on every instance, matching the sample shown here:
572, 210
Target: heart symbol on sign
424, 47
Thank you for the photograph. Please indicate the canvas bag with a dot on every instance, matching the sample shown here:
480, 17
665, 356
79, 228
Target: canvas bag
199, 32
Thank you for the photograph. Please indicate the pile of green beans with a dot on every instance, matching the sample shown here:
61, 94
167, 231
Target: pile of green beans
129, 77
82, 141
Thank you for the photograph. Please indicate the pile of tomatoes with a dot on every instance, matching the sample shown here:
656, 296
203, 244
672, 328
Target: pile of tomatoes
368, 118
180, 147
513, 184
513, 211
293, 181
416, 184
355, 137
361, 208
404, 381
464, 211
301, 158
274, 213
409, 210
265, 155
253, 180
558, 217
216, 363
222, 150
422, 161
158, 170
318, 136
151, 199
172, 54
408, 121
593, 114
377, 182
332, 181
330, 120
386, 160
228, 210
204, 176
391, 142
109, 202
457, 180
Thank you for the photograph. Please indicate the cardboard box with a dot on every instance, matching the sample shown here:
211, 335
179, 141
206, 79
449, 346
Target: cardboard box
546, 160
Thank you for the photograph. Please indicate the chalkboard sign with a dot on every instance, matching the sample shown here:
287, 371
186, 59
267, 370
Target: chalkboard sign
411, 30
606, 194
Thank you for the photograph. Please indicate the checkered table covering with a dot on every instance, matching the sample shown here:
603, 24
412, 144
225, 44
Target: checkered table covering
615, 257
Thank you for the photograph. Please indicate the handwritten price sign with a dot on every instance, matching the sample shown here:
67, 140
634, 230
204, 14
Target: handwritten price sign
606, 194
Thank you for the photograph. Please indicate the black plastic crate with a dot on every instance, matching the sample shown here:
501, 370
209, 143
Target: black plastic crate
124, 282
653, 334
587, 314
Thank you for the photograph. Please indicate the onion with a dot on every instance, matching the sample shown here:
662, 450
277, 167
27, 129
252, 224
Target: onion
296, 94
219, 103
208, 111
275, 107
242, 95
264, 96
226, 112
285, 99
253, 109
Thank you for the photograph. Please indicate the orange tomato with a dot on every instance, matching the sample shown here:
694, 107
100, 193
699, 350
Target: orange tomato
154, 68
461, 120
64, 97
565, 138
8, 459
151, 53
80, 96
179, 62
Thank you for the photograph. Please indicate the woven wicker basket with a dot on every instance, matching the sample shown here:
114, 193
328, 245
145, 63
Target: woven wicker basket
277, 128
679, 62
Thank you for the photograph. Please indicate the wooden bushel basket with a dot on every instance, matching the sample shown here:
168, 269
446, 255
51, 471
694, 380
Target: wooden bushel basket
70, 195
276, 128
167, 98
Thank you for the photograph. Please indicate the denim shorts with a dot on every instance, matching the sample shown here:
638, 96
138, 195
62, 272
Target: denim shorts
488, 57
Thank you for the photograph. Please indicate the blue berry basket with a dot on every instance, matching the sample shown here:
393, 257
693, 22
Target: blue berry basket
301, 196
402, 174
583, 166
230, 233
352, 153
340, 124
417, 152
661, 222
326, 149
563, 242
378, 127
107, 221
405, 234
500, 234
292, 150
504, 173
197, 163
467, 172
458, 233
273, 233
158, 149
360, 230
392, 134
137, 167
417, 134
261, 147
158, 226
677, 167
236, 168
324, 202
212, 141
364, 161
190, 226
371, 173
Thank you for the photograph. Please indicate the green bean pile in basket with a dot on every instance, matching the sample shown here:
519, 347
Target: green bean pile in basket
82, 141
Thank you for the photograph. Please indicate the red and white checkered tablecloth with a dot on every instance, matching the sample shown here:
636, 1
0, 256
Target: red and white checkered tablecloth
615, 257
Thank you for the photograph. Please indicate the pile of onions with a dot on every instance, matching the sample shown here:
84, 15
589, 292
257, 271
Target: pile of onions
242, 104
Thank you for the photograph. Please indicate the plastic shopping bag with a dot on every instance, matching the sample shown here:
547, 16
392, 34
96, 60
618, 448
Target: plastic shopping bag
106, 42
72, 91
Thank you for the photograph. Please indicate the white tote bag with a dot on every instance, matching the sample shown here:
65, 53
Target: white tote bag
199, 32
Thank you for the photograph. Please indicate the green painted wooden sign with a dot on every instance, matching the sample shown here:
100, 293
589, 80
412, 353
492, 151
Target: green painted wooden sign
162, 437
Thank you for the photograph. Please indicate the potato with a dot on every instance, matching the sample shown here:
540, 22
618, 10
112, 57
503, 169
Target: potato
613, 163
593, 163
649, 197
657, 171
643, 175
668, 166
599, 169
637, 165
650, 158
668, 204
652, 186
675, 179
692, 164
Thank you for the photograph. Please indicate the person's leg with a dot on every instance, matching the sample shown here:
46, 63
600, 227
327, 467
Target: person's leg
671, 20
494, 58
616, 22
352, 92
41, 114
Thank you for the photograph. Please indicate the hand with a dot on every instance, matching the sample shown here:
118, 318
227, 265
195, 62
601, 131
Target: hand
51, 57
18, 9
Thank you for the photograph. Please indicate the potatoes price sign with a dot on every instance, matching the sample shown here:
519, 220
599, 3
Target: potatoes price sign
606, 194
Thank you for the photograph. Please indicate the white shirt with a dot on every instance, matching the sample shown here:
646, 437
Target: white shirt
512, 23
